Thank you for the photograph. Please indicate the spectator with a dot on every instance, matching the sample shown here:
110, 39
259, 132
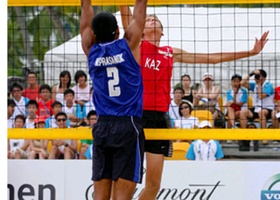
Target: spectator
88, 106
186, 84
32, 91
244, 145
175, 103
20, 101
263, 99
66, 149
275, 115
18, 148
205, 150
50, 121
10, 111
82, 88
237, 98
208, 94
64, 83
32, 107
45, 104
38, 148
73, 110
186, 120
86, 145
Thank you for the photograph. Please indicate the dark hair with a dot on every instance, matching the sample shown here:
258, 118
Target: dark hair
32, 72
90, 113
189, 105
179, 88
11, 102
252, 125
45, 86
79, 74
219, 123
69, 91
32, 102
59, 114
104, 26
20, 117
236, 76
185, 75
263, 73
16, 85
62, 74
55, 103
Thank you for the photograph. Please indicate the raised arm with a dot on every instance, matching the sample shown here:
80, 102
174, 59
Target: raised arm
126, 16
134, 30
186, 57
87, 35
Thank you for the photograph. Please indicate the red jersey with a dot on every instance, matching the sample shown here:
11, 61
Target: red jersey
45, 108
277, 93
32, 94
156, 66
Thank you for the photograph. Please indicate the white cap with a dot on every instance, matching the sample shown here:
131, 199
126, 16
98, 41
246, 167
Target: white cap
207, 75
204, 124
187, 102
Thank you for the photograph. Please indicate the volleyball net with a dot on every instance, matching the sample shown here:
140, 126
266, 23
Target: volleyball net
43, 36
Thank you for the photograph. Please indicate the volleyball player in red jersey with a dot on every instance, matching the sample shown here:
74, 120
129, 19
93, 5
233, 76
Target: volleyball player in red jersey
156, 66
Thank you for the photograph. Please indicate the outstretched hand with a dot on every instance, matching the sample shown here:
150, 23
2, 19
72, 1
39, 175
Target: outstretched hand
260, 43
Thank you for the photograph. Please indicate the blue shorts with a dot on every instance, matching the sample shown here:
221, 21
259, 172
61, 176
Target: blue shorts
118, 148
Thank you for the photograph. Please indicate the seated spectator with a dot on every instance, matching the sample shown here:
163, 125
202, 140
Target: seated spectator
86, 145
32, 107
45, 104
38, 148
263, 99
73, 110
18, 148
50, 121
20, 101
64, 83
82, 88
88, 106
63, 149
10, 111
275, 115
188, 91
237, 98
205, 150
208, 95
32, 91
173, 111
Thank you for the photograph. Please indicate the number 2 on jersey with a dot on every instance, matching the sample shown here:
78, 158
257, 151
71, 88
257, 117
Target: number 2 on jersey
114, 90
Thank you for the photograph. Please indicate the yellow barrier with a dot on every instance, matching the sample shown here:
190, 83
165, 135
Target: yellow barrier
131, 2
152, 134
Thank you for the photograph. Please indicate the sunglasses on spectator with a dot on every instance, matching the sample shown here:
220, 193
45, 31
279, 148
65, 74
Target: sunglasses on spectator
61, 119
185, 107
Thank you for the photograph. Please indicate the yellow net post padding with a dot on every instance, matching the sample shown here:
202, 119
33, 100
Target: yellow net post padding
152, 134
131, 2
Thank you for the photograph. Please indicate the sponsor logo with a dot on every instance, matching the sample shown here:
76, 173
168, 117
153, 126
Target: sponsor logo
268, 193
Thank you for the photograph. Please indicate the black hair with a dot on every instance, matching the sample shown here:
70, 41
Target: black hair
79, 74
185, 102
32, 72
69, 91
90, 113
32, 102
11, 102
236, 76
185, 75
252, 125
179, 88
55, 103
45, 86
16, 85
104, 26
59, 114
20, 117
62, 74
263, 73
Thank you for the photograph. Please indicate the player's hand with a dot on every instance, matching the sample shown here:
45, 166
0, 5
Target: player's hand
260, 43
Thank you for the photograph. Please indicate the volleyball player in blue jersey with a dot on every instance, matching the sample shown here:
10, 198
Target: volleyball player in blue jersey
117, 82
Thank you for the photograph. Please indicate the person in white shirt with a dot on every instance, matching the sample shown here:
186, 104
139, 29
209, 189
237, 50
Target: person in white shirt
186, 120
205, 150
20, 101
32, 107
173, 111
10, 111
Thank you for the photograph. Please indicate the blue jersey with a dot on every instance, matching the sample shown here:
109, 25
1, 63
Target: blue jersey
116, 79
